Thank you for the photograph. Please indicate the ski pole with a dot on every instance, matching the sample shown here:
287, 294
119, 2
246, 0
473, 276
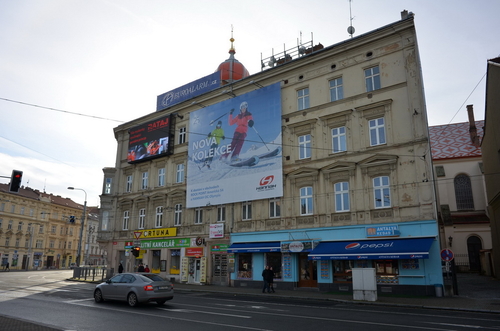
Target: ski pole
218, 118
253, 127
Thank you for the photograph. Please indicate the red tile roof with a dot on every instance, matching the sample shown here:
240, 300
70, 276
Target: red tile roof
453, 141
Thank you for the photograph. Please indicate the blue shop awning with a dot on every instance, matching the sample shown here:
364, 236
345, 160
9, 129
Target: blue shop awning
255, 247
394, 248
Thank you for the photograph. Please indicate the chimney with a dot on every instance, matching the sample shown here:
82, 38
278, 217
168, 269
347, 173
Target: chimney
472, 127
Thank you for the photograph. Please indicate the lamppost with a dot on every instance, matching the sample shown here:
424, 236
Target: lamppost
78, 254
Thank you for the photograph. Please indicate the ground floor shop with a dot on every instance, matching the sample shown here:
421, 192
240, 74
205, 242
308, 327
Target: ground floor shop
405, 256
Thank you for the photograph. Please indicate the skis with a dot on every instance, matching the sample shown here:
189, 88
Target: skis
251, 161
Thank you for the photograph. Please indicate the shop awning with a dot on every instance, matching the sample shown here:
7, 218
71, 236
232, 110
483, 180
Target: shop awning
255, 247
394, 248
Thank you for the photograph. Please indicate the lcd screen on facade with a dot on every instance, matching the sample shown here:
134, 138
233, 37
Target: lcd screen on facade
150, 140
235, 150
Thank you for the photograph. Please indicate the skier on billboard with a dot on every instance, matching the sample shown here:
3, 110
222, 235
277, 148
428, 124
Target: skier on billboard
218, 134
244, 120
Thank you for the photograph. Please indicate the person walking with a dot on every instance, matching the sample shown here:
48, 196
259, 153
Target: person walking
265, 277
120, 268
7, 266
244, 120
141, 268
271, 279
146, 269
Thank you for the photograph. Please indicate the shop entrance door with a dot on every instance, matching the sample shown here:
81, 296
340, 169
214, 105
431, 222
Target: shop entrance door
308, 276
219, 269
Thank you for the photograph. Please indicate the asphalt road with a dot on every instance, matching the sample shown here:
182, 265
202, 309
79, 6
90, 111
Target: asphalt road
46, 298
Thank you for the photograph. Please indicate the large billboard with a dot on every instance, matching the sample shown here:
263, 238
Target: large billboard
235, 150
188, 91
151, 139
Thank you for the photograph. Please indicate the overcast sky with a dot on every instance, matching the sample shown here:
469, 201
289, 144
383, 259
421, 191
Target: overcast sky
110, 60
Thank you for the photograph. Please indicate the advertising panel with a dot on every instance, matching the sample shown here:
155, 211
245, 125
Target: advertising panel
188, 91
235, 150
151, 139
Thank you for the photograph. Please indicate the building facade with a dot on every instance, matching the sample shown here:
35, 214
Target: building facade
463, 221
38, 230
316, 165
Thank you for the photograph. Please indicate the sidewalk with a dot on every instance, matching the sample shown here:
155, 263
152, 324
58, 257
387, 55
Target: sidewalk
476, 293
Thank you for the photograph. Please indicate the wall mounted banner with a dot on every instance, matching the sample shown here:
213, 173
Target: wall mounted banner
234, 150
151, 140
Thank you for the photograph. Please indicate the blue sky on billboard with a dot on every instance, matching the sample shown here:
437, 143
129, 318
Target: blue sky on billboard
97, 64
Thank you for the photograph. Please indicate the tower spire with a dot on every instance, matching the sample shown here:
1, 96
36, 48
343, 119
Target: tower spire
232, 50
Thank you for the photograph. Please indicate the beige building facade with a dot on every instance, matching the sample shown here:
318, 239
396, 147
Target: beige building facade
350, 170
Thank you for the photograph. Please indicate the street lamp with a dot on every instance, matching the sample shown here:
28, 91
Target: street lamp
78, 254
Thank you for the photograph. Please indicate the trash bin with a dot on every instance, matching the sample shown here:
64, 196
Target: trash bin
439, 290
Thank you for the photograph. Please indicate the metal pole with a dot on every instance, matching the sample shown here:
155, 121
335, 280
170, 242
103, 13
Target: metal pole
84, 214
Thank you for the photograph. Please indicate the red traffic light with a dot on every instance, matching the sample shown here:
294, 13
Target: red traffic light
15, 180
135, 251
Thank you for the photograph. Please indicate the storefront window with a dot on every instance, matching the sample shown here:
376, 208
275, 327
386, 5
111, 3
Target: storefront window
387, 271
342, 271
175, 261
155, 265
274, 260
244, 266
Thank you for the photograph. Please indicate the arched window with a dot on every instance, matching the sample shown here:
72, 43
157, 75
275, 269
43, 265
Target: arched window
463, 192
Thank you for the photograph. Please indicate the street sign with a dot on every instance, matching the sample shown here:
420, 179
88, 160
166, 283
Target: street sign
447, 255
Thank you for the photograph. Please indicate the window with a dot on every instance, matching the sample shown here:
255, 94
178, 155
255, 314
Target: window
21, 211
105, 220
341, 196
13, 209
20, 226
198, 217
221, 213
142, 218
377, 131
179, 178
161, 177
303, 99
306, 201
381, 192
182, 135
305, 147
1, 221
107, 186
178, 215
275, 207
159, 217
144, 183
126, 218
463, 192
372, 78
336, 89
9, 226
339, 140
246, 208
128, 187
245, 266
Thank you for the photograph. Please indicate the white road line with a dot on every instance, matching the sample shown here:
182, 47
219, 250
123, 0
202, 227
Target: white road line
205, 312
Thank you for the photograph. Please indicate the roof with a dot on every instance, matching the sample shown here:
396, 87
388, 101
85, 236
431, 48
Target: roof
454, 141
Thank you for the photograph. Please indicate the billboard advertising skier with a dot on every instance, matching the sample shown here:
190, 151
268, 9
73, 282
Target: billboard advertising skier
235, 150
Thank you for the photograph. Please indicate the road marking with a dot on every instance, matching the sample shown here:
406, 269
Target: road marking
205, 312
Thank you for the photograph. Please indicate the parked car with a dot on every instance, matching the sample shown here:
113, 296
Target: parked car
135, 288
72, 265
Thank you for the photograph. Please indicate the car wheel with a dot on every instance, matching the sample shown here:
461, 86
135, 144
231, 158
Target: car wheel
132, 300
161, 302
98, 296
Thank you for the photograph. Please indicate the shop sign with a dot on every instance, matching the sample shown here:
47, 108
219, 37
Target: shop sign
194, 251
221, 248
383, 231
165, 243
216, 230
155, 233
297, 246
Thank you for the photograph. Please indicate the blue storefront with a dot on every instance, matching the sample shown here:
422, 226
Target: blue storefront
405, 256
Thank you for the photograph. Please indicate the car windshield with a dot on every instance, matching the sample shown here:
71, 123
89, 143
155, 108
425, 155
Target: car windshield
152, 277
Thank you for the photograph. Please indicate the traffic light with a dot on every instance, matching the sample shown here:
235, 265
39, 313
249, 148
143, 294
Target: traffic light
72, 219
15, 180
135, 251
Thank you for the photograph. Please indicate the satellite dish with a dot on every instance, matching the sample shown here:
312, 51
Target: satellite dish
350, 30
302, 50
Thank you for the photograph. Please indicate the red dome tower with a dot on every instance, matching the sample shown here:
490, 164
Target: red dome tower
232, 70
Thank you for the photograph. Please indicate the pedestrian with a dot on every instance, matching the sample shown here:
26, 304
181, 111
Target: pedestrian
244, 120
120, 268
265, 277
271, 279
7, 266
217, 134
141, 268
146, 269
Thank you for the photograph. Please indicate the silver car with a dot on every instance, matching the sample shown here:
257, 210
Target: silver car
135, 288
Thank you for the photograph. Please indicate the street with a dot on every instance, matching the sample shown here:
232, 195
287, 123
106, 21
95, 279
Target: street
45, 297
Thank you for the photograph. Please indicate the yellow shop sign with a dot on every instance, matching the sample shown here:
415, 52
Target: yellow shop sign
155, 233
